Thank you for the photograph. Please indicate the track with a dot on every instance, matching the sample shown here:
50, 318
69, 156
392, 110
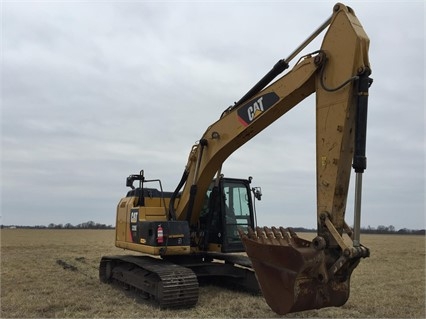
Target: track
170, 285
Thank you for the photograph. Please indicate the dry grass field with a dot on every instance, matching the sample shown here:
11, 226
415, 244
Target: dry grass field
389, 284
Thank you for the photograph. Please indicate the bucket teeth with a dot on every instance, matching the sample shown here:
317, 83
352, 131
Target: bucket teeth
275, 236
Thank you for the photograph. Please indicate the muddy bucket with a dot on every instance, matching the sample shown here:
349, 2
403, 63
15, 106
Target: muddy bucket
292, 272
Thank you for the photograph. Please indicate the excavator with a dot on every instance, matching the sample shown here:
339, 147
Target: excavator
206, 229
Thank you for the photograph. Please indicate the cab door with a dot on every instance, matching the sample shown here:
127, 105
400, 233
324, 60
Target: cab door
227, 207
237, 213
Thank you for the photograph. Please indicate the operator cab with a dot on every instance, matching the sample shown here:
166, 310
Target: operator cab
228, 206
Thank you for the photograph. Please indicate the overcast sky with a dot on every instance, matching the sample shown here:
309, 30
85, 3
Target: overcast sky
94, 91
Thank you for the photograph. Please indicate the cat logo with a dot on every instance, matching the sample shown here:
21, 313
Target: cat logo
134, 216
254, 108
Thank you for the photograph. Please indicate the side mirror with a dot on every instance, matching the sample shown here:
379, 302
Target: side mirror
130, 179
129, 182
257, 192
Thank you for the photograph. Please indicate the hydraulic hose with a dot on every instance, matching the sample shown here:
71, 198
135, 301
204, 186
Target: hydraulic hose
172, 211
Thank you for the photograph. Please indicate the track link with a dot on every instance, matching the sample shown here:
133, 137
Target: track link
170, 285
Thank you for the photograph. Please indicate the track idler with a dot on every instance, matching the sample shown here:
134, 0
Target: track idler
296, 274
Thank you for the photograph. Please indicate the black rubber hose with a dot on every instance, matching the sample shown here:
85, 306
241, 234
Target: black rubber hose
172, 211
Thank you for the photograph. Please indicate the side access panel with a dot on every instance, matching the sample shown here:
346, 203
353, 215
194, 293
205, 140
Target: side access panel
160, 237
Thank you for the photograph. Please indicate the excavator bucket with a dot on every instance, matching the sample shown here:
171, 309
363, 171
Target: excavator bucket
293, 272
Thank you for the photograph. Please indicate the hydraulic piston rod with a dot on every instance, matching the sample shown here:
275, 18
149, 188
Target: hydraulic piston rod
360, 160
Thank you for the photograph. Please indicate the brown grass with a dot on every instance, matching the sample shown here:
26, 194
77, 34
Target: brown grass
389, 284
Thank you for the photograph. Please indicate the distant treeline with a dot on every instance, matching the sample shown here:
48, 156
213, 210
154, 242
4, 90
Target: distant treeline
92, 225
86, 225
381, 229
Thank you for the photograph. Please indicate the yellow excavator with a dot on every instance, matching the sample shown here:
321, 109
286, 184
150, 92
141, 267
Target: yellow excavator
201, 230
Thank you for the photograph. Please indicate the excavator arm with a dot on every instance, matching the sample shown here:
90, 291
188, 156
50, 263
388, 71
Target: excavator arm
295, 274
